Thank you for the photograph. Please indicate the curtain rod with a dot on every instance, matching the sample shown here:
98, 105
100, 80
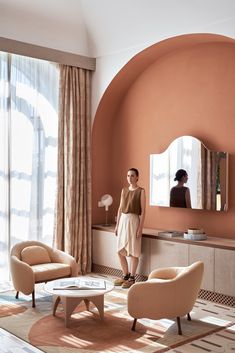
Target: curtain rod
39, 52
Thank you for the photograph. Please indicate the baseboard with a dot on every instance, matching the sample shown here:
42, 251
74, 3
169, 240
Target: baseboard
113, 272
203, 294
217, 297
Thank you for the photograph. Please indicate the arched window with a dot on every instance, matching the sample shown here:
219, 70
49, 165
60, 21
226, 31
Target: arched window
29, 90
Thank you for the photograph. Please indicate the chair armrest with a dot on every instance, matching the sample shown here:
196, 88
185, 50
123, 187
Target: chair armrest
22, 276
64, 258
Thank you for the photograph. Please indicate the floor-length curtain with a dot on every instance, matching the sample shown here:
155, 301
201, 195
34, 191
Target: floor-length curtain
28, 151
73, 214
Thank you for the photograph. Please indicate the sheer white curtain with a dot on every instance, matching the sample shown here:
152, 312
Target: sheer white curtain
28, 151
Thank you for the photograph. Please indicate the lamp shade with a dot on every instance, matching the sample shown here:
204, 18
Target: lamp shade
106, 201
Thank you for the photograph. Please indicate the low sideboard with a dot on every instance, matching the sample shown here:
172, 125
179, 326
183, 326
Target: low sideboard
218, 255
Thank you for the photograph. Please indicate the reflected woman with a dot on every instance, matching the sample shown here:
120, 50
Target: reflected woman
180, 194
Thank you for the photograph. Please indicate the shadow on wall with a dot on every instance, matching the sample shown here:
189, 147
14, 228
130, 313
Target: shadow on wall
180, 86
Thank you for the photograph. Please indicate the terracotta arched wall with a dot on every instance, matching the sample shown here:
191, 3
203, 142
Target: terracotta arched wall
181, 86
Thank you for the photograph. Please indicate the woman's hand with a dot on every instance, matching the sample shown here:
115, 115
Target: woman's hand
116, 230
139, 233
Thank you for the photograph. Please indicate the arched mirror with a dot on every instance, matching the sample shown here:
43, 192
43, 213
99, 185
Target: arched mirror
207, 173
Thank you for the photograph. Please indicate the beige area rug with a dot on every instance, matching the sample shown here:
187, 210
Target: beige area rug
6, 286
88, 334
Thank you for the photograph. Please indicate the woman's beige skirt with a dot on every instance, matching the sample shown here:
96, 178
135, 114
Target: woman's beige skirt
127, 242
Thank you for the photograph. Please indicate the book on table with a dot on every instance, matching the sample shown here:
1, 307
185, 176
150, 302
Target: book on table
81, 283
170, 233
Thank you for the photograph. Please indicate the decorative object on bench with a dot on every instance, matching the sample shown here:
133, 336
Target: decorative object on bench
195, 234
106, 201
34, 262
170, 233
169, 292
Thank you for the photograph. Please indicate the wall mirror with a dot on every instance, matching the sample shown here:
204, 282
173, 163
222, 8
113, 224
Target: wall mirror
207, 174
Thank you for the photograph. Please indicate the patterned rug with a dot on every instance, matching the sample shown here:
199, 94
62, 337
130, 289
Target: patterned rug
88, 334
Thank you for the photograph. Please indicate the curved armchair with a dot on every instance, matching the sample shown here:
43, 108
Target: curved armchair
34, 262
168, 293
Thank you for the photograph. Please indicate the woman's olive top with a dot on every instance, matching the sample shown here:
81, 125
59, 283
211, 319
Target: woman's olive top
131, 201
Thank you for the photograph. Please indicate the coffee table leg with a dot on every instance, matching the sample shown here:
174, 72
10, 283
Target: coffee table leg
69, 304
56, 301
87, 303
99, 303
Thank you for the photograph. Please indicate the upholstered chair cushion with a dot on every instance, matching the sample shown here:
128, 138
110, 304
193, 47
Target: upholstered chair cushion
49, 271
34, 255
34, 262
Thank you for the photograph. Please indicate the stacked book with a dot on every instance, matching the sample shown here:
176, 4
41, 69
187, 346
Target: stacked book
170, 233
195, 234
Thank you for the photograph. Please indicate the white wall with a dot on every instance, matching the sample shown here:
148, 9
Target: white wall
106, 69
113, 31
45, 23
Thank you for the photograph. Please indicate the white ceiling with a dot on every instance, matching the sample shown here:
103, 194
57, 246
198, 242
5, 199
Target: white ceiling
103, 27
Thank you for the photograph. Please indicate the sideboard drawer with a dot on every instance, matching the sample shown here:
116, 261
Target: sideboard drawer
166, 253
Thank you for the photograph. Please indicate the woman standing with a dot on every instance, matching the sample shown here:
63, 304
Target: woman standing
130, 220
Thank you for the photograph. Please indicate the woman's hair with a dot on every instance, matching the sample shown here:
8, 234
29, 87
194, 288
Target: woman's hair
135, 171
180, 174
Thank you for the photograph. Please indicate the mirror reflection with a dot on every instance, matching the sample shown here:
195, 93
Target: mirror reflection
189, 175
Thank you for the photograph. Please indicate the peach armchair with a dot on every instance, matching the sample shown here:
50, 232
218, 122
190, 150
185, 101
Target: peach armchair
168, 293
34, 262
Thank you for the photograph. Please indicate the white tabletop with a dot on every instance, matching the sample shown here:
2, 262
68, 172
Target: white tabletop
49, 288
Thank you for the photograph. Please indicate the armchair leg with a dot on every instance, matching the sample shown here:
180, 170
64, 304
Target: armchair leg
133, 326
17, 295
33, 299
189, 317
179, 326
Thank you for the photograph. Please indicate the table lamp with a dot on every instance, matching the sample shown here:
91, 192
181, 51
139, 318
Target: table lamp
106, 201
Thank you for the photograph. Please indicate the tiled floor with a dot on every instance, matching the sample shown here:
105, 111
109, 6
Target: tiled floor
13, 344
218, 342
223, 341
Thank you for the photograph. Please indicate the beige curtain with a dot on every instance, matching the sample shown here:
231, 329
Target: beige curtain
73, 209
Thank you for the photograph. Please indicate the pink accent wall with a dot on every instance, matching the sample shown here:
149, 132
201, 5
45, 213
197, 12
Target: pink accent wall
181, 86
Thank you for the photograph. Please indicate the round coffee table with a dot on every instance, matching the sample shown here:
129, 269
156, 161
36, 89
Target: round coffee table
71, 298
